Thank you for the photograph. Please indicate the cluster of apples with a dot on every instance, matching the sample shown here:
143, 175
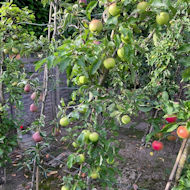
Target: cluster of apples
182, 132
96, 26
13, 52
33, 107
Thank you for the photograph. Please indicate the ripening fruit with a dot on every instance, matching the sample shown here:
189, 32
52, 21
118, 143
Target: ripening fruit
37, 137
183, 132
64, 188
121, 52
96, 42
75, 145
83, 80
124, 38
159, 135
95, 26
33, 108
15, 50
142, 6
94, 175
64, 121
83, 2
113, 9
15, 37
171, 137
109, 63
93, 137
33, 96
171, 118
162, 18
86, 134
27, 88
125, 119
6, 51
81, 158
157, 145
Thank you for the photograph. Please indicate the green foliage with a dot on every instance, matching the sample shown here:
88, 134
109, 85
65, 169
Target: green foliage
145, 80
8, 139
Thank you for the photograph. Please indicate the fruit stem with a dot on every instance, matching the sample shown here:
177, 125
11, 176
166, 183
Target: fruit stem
175, 165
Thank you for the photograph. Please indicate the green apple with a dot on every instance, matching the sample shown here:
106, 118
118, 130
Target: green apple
64, 121
109, 63
93, 137
95, 26
162, 18
113, 9
125, 119
94, 175
75, 145
81, 158
83, 80
15, 50
121, 53
142, 6
124, 38
6, 51
15, 37
86, 134
64, 188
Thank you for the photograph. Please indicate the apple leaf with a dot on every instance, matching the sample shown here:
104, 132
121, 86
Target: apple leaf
96, 66
90, 8
175, 126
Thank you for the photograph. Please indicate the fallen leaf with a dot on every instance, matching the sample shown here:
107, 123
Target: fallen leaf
52, 173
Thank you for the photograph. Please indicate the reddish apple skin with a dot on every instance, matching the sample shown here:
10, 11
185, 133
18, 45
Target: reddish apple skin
171, 119
96, 42
27, 88
171, 138
83, 1
33, 96
37, 137
183, 132
33, 108
157, 145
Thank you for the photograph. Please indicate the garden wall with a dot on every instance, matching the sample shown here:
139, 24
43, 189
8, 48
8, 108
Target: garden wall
50, 104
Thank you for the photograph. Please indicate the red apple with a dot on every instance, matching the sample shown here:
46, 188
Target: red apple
27, 88
96, 42
33, 108
84, 2
171, 137
37, 137
21, 127
171, 118
183, 132
33, 96
157, 145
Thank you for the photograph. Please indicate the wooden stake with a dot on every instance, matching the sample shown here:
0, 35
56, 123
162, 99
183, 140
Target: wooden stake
182, 161
175, 165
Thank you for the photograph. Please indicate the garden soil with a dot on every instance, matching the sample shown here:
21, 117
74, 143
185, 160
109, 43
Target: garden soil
141, 167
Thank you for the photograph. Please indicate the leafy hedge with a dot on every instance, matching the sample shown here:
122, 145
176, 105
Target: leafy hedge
41, 14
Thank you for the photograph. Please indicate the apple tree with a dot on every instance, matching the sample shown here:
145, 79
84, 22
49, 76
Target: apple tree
16, 41
125, 58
